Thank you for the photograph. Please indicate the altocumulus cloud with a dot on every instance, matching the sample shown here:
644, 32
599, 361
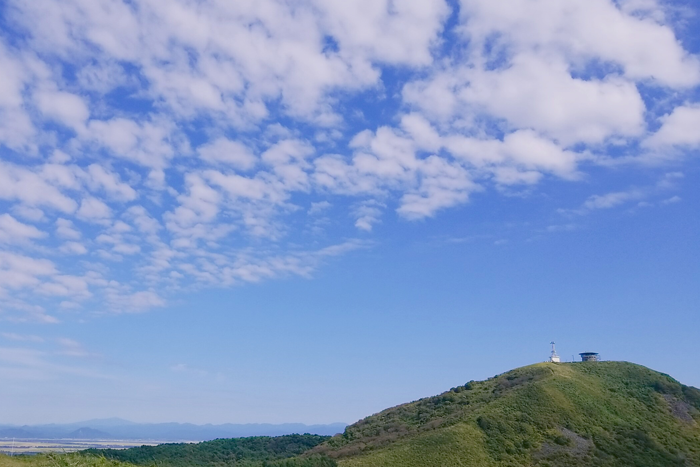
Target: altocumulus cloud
150, 147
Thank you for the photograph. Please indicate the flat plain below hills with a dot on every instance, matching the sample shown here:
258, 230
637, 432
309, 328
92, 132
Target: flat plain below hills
10, 446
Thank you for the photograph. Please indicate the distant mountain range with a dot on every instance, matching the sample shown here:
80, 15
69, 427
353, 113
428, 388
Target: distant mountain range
116, 428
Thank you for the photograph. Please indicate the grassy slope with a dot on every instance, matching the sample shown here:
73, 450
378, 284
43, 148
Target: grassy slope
83, 460
252, 451
593, 414
59, 460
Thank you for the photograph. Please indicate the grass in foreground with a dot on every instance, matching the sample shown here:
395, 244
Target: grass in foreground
82, 460
60, 460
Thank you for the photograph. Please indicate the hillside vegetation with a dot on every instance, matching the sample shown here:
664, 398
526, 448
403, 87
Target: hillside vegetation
257, 451
59, 460
605, 414
85, 460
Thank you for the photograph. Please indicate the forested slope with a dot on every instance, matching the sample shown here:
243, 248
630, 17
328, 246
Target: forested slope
239, 452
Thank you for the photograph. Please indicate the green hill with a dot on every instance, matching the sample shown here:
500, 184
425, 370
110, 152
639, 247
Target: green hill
571, 414
257, 451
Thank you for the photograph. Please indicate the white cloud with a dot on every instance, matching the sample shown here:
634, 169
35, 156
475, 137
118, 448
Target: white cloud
66, 177
13, 231
16, 127
126, 249
64, 107
232, 68
135, 302
151, 144
93, 210
643, 195
14, 77
680, 128
671, 200
200, 204
69, 305
442, 185
120, 227
422, 132
392, 32
436, 95
237, 186
225, 151
585, 30
200, 268
102, 77
367, 214
146, 224
389, 162
99, 177
249, 267
519, 158
250, 202
319, 207
66, 286
21, 337
644, 8
611, 200
288, 159
534, 92
120, 245
19, 271
29, 213
65, 229
18, 183
73, 248
539, 93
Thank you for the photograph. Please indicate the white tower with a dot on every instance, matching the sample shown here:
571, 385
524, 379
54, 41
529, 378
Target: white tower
554, 358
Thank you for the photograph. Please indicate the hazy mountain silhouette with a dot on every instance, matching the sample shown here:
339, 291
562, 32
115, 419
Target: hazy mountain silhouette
117, 428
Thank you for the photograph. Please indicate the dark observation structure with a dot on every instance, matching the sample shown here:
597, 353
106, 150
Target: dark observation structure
589, 357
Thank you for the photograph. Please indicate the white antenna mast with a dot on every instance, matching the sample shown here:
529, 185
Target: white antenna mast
554, 357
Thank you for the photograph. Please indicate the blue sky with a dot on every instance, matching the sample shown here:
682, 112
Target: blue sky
274, 211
